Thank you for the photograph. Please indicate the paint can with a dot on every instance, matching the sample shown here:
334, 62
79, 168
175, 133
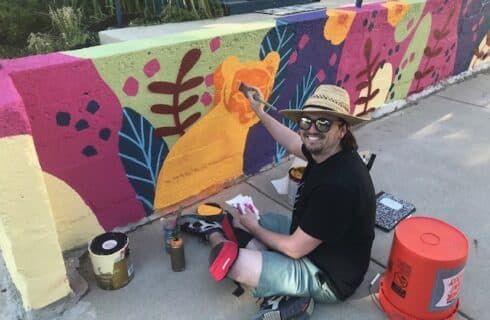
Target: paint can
425, 271
295, 176
170, 227
111, 262
177, 255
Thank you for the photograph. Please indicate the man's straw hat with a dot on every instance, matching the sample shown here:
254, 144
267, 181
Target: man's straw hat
328, 100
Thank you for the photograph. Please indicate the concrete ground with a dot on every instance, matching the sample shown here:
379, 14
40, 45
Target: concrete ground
435, 154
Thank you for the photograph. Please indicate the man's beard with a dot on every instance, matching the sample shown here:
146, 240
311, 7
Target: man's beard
315, 151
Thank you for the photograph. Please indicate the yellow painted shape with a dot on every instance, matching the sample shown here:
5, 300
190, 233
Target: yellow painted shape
397, 10
28, 237
483, 48
338, 25
208, 210
211, 152
382, 81
75, 221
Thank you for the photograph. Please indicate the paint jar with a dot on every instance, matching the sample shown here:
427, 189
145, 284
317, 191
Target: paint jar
177, 255
111, 263
295, 176
170, 229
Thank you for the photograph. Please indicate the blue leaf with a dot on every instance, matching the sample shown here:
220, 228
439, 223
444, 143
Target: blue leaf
303, 90
281, 39
142, 154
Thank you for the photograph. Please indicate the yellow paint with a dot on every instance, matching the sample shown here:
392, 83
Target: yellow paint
75, 222
28, 237
483, 48
211, 152
338, 25
397, 10
382, 81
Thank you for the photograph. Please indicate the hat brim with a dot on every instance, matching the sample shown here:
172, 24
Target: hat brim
295, 114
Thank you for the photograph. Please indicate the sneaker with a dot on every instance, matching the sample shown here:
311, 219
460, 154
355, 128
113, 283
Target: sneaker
221, 259
285, 307
205, 225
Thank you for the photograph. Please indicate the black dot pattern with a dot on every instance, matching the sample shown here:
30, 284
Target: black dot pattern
63, 119
93, 107
89, 151
105, 134
81, 125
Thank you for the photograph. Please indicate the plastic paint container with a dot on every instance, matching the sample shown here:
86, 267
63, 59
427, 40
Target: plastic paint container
425, 271
295, 176
109, 254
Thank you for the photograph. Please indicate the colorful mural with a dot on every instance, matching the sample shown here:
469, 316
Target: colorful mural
131, 130
107, 135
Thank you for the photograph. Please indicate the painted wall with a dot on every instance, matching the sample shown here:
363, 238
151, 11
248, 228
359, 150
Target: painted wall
104, 136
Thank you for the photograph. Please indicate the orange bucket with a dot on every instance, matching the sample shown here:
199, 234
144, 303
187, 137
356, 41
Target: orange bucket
425, 271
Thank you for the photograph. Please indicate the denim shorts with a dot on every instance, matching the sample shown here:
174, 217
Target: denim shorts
282, 275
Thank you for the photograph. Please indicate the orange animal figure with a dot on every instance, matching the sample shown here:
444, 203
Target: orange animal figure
211, 152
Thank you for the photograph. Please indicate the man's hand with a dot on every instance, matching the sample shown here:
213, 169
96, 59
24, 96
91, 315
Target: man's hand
252, 93
248, 219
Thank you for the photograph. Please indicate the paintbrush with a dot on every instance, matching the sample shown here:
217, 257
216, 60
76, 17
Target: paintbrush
255, 95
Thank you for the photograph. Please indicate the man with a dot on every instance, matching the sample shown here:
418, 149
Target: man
322, 253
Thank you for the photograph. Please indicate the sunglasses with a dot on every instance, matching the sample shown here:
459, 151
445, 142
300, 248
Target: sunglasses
322, 124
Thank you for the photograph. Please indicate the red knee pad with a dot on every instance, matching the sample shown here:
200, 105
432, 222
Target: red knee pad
222, 258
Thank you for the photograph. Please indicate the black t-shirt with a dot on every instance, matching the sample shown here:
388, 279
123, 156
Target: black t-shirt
336, 203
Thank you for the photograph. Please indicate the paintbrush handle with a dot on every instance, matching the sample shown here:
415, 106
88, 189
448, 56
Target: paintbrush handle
256, 98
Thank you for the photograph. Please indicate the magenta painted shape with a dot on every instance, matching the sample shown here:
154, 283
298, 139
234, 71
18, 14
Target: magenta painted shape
333, 59
67, 111
206, 99
442, 64
293, 57
321, 75
303, 41
214, 44
13, 117
152, 67
209, 80
131, 87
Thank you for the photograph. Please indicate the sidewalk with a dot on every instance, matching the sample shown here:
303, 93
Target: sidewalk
435, 154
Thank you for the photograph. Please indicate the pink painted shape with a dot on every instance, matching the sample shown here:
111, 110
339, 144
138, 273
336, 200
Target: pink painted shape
412, 56
206, 99
410, 24
404, 64
13, 118
320, 75
209, 80
333, 59
444, 68
101, 179
214, 44
131, 87
293, 57
152, 67
303, 41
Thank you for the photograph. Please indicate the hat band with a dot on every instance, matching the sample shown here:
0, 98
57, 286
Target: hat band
319, 107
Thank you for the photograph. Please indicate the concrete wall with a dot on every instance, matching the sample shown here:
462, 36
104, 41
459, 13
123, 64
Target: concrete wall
101, 137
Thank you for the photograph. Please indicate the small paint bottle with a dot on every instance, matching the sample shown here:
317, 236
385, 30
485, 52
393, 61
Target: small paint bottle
177, 256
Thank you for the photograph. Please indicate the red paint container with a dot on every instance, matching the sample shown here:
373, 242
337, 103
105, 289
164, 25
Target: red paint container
425, 271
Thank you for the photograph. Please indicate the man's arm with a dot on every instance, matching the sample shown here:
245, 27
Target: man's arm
286, 137
295, 246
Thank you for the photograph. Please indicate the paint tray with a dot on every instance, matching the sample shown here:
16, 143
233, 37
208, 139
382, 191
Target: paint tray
390, 210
